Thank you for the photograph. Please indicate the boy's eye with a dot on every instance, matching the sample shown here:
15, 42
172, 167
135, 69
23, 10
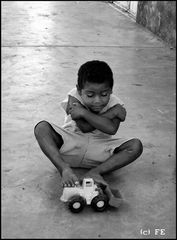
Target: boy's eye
104, 94
89, 95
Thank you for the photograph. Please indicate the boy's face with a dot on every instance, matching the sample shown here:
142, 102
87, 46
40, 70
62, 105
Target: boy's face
95, 95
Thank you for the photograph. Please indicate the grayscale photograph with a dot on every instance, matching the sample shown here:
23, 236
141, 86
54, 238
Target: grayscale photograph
88, 126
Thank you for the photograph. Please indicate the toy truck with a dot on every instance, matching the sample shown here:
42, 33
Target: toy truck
86, 194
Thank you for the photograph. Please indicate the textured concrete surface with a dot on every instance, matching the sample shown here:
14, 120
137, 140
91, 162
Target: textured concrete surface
43, 45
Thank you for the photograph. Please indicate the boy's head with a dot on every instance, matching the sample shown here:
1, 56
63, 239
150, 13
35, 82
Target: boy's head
95, 83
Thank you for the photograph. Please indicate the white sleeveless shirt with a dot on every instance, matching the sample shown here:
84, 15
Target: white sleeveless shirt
70, 124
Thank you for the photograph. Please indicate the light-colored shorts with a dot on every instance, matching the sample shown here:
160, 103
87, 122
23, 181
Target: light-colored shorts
85, 149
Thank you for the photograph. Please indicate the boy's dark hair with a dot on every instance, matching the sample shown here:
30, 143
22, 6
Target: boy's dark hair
95, 72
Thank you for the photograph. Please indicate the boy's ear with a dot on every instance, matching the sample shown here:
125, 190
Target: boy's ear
78, 89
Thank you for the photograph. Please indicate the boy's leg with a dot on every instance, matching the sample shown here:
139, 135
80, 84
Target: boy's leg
50, 142
122, 156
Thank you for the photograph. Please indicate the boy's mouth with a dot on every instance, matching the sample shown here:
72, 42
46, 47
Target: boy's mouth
96, 108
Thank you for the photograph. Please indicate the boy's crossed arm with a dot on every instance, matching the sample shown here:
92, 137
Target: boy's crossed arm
107, 122
83, 125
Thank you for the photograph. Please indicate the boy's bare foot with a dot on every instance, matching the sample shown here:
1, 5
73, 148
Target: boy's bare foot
114, 200
69, 179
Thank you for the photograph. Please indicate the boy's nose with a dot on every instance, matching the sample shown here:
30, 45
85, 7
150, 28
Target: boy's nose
97, 99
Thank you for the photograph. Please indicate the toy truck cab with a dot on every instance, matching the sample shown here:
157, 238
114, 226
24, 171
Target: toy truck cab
86, 194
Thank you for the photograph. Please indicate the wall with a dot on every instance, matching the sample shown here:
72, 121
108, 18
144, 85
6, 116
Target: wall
160, 18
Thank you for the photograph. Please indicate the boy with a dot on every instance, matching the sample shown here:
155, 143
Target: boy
93, 116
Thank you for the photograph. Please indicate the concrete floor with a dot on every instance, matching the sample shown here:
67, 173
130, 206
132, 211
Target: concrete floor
43, 45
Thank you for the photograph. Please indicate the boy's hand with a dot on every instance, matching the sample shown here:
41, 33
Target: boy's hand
71, 100
69, 179
117, 111
77, 111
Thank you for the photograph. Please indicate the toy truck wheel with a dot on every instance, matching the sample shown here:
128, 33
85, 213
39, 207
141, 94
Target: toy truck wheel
76, 203
99, 203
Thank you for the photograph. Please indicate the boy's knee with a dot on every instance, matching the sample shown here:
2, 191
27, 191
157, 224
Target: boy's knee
136, 146
41, 127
